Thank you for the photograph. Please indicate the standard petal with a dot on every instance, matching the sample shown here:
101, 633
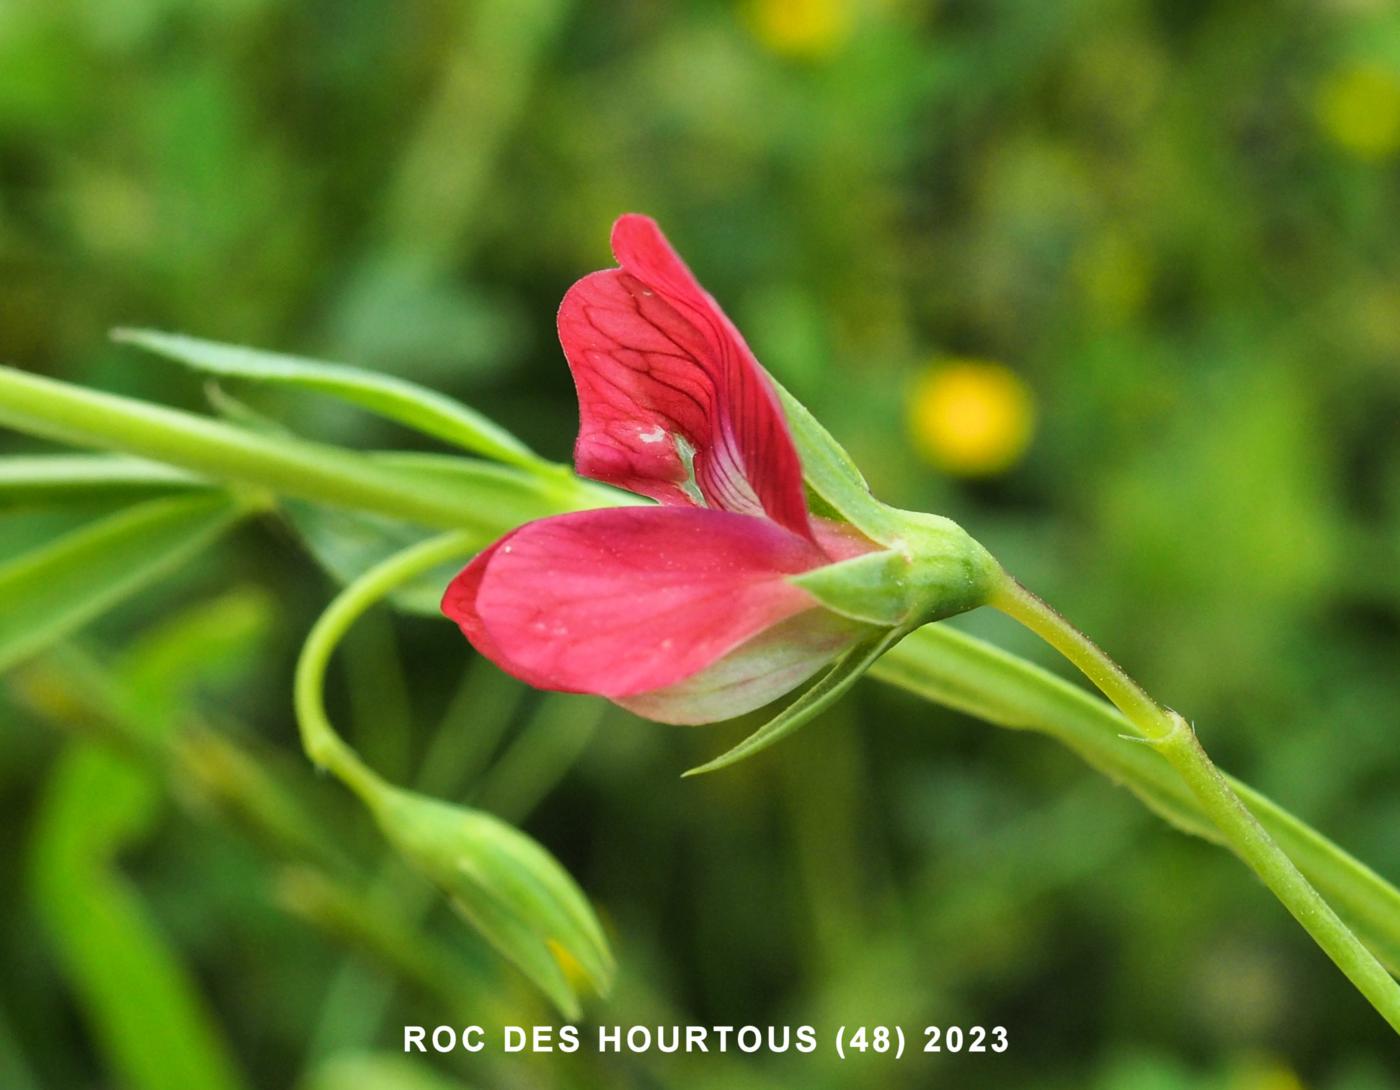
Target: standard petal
755, 673
672, 404
627, 600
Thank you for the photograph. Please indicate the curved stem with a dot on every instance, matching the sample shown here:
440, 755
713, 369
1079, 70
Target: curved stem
1176, 740
326, 748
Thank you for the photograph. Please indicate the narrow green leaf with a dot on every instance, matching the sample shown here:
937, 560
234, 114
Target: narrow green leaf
825, 692
56, 589
210, 645
389, 396
556, 733
349, 543
31, 480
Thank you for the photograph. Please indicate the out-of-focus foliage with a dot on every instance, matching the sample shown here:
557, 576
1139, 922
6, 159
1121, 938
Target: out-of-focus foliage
1175, 223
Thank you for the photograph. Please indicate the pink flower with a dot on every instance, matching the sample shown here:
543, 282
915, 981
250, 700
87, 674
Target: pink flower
683, 612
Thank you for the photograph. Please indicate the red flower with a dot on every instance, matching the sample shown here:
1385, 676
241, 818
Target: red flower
683, 612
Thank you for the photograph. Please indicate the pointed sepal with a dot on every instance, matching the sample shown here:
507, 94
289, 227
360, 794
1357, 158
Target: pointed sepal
875, 588
825, 692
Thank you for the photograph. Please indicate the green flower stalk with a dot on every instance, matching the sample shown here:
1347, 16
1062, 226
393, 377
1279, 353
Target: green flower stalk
512, 890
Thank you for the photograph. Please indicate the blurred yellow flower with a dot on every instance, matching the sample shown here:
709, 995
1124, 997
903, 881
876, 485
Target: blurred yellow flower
971, 417
809, 29
1359, 107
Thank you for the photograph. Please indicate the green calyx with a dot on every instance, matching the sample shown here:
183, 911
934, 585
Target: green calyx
927, 568
930, 568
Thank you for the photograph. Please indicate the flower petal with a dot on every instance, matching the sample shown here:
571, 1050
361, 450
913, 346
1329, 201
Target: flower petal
755, 673
672, 403
459, 604
626, 600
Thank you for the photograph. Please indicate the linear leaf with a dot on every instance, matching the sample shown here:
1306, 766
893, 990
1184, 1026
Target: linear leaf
348, 543
397, 399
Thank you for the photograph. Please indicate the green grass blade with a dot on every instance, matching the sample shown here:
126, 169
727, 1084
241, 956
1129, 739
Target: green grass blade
547, 746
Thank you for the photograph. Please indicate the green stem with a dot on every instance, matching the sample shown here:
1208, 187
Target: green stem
286, 465
944, 666
323, 745
1176, 740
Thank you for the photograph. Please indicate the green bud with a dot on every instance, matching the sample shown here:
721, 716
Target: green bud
507, 886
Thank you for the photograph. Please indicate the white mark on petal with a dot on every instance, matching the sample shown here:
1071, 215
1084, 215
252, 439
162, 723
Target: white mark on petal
690, 486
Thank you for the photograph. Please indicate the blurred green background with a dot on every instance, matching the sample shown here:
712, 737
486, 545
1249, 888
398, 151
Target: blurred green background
1114, 283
